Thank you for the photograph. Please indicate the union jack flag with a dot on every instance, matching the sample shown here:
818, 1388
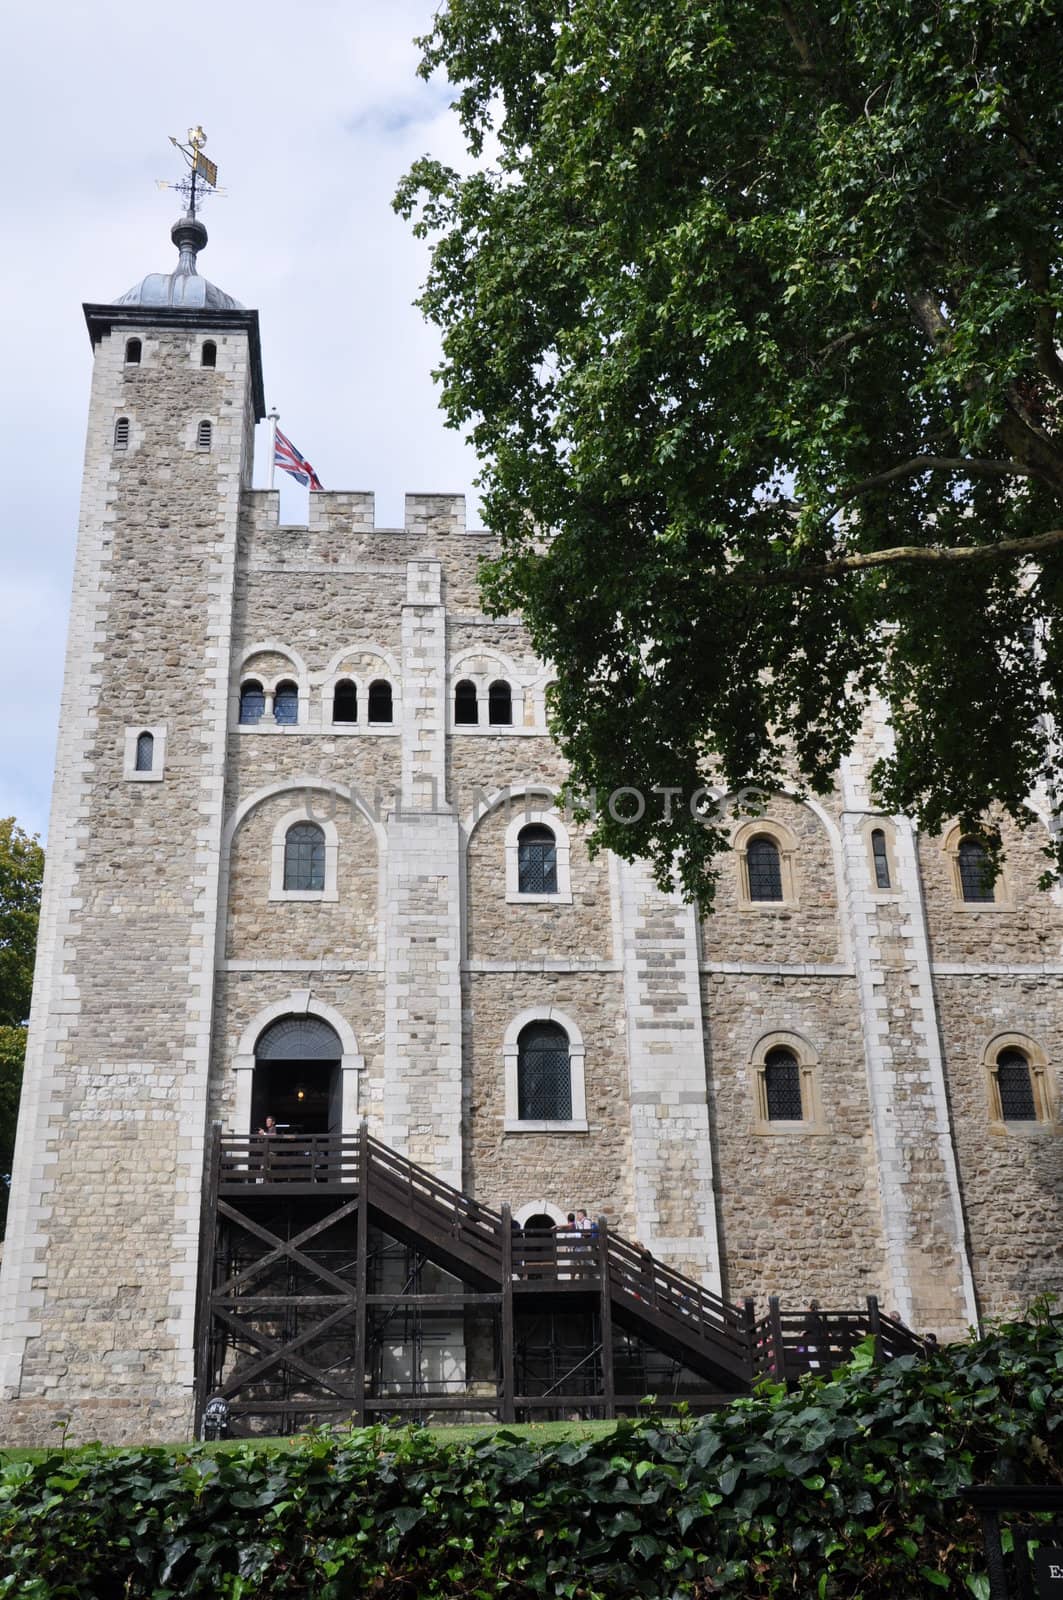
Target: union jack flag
287, 457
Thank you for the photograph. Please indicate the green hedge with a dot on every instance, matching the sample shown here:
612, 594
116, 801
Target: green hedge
841, 1489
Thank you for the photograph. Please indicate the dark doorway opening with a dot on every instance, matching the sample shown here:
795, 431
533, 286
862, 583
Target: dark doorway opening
303, 1096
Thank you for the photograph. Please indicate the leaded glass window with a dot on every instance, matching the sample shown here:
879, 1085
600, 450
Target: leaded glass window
466, 706
380, 708
1015, 1087
500, 704
145, 752
882, 860
299, 1039
286, 703
544, 1074
345, 701
304, 857
765, 869
252, 701
976, 876
782, 1087
536, 860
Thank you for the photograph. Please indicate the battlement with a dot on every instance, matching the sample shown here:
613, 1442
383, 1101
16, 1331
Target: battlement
342, 529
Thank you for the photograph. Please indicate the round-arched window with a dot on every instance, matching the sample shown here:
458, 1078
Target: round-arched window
304, 858
380, 703
764, 866
544, 1074
286, 704
500, 704
782, 1086
1015, 1087
466, 705
976, 873
536, 859
252, 701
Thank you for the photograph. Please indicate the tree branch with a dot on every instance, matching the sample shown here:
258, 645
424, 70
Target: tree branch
904, 555
969, 467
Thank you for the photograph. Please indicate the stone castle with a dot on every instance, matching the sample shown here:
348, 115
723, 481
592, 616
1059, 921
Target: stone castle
306, 860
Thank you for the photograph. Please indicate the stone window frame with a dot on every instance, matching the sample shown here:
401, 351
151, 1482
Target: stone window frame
873, 824
786, 844
502, 671
550, 818
277, 891
295, 672
1041, 1084
812, 1122
129, 753
300, 1002
386, 670
1003, 896
577, 1068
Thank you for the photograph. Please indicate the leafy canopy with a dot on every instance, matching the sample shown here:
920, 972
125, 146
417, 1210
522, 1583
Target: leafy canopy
21, 874
753, 305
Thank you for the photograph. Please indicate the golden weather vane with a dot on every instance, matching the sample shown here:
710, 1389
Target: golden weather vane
202, 176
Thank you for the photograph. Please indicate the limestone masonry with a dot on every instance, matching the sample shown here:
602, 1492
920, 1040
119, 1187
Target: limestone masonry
844, 1082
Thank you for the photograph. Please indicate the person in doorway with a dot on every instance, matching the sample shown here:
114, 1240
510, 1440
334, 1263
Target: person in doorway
267, 1131
587, 1232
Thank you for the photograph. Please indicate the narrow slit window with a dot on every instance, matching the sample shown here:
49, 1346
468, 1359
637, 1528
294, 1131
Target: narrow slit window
286, 704
536, 860
132, 352
145, 752
121, 434
544, 1074
252, 702
764, 866
304, 858
1015, 1087
209, 356
203, 436
782, 1087
466, 705
380, 705
882, 860
976, 874
500, 704
345, 701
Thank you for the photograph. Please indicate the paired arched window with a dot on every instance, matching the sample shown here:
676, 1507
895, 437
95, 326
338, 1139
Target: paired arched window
500, 704
304, 858
145, 759
209, 357
782, 1086
252, 701
132, 352
764, 867
380, 701
976, 873
286, 703
880, 856
536, 860
1015, 1088
121, 433
345, 701
466, 705
544, 1074
204, 435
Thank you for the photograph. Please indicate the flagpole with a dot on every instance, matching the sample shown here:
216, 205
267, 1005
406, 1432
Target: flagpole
274, 418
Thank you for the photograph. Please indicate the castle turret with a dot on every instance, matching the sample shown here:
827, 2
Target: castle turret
97, 1298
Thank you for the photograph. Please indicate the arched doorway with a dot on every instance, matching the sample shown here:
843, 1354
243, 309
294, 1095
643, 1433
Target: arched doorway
297, 1078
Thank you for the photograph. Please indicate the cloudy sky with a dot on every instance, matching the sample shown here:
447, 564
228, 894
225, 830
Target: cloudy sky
312, 113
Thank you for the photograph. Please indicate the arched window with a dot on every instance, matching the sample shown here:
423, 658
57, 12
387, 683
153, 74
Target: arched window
145, 752
132, 352
304, 857
345, 701
1015, 1087
466, 706
121, 434
286, 703
203, 436
764, 868
976, 875
500, 704
782, 1086
881, 858
252, 701
536, 860
544, 1074
380, 701
209, 357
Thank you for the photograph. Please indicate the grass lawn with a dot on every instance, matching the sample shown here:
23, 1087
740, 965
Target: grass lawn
462, 1433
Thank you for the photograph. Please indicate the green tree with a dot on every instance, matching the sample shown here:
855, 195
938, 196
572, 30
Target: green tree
753, 305
21, 874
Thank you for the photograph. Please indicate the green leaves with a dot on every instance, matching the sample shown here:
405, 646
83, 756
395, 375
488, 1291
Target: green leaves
734, 270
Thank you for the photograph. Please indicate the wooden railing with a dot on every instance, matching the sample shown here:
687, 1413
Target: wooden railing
288, 1158
788, 1344
702, 1316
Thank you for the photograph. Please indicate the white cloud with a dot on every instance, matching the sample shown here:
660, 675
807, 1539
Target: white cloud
313, 113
